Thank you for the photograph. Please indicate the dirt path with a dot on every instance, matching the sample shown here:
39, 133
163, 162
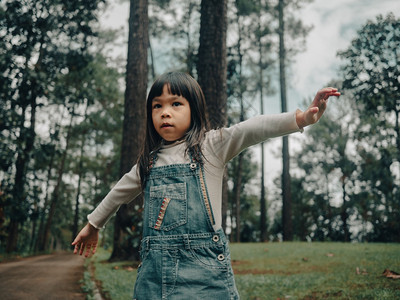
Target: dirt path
47, 277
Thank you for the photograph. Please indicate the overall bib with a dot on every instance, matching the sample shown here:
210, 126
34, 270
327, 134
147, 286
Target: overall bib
182, 256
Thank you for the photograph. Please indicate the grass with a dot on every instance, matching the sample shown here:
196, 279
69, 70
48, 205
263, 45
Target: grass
316, 270
290, 270
116, 279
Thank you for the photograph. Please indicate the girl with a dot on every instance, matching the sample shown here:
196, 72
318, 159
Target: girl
184, 251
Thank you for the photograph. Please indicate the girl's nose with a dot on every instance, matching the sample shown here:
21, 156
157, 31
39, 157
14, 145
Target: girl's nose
165, 114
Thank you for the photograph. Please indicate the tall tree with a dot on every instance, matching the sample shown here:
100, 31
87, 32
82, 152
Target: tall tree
295, 29
129, 216
371, 73
287, 225
37, 38
264, 45
330, 166
212, 67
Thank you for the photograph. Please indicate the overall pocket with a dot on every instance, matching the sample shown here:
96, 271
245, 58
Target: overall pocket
167, 206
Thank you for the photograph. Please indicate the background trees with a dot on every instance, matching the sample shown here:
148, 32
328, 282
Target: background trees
371, 75
49, 83
61, 120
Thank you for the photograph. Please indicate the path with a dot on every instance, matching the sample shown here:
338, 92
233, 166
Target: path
49, 277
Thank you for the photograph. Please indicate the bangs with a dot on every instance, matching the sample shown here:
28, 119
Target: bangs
177, 84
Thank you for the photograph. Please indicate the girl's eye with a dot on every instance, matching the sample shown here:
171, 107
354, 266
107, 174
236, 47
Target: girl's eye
156, 106
176, 104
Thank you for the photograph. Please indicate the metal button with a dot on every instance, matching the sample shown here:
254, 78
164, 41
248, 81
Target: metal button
215, 238
221, 257
193, 166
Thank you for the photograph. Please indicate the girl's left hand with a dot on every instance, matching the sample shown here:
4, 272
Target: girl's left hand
317, 107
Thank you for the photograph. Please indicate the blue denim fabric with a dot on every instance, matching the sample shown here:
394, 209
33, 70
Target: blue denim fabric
183, 257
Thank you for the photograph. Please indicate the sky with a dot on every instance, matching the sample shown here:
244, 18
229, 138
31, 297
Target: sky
335, 24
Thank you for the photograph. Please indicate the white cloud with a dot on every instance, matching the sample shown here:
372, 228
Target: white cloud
335, 24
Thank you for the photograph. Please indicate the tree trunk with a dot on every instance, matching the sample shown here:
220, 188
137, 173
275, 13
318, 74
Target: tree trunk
263, 206
27, 138
42, 214
238, 183
211, 65
55, 195
343, 212
190, 63
75, 225
397, 130
133, 126
212, 70
286, 186
238, 187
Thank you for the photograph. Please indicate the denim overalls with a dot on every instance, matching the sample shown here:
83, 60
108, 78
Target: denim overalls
183, 257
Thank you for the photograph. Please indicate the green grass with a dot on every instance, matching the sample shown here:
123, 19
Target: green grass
292, 270
116, 279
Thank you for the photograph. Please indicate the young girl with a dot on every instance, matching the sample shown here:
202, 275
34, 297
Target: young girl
184, 251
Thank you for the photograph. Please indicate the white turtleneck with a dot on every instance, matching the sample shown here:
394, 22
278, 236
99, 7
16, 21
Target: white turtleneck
218, 148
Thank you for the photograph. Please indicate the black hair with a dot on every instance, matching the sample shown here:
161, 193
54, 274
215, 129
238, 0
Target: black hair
180, 84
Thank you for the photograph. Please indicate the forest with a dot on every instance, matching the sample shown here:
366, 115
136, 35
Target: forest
72, 119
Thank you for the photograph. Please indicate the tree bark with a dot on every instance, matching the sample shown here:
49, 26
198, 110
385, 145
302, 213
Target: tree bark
212, 70
286, 185
263, 206
133, 126
211, 66
27, 138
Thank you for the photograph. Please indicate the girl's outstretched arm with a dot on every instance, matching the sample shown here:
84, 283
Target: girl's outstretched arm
86, 238
317, 107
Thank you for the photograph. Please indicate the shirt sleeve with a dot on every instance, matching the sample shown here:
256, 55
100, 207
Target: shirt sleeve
126, 189
226, 143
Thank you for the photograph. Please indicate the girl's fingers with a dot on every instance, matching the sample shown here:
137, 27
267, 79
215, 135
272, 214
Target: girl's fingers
76, 243
87, 250
82, 248
94, 248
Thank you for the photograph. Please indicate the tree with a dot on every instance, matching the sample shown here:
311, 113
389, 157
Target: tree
39, 38
264, 45
294, 28
212, 67
133, 128
371, 74
325, 194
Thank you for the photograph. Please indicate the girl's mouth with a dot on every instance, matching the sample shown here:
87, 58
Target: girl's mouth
166, 125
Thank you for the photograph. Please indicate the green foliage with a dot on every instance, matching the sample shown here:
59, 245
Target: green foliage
249, 203
371, 79
349, 183
371, 66
52, 74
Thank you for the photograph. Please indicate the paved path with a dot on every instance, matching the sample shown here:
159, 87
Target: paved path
49, 277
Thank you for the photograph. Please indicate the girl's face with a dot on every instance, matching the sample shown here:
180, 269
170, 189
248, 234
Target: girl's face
171, 115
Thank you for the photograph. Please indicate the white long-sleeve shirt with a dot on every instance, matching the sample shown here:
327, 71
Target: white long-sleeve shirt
218, 148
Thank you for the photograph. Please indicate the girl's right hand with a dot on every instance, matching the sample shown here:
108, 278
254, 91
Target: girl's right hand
86, 238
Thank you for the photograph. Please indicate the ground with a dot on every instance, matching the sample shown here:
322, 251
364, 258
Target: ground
54, 276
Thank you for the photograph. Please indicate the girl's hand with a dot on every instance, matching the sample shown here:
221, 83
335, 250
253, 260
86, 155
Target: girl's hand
317, 107
86, 238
